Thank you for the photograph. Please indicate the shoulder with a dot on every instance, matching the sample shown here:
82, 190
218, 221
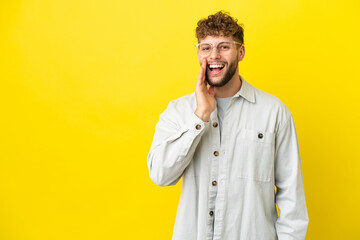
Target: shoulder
181, 106
273, 105
269, 100
184, 100
179, 111
184, 103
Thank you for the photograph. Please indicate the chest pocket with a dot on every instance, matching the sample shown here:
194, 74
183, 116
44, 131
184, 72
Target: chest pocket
255, 151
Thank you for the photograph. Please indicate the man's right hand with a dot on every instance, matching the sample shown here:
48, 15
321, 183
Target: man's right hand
204, 93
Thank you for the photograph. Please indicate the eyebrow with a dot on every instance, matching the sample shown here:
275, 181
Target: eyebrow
217, 42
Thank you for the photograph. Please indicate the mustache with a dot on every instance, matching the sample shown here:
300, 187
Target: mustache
221, 62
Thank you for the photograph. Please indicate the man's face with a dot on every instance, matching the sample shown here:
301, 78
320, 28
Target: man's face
220, 76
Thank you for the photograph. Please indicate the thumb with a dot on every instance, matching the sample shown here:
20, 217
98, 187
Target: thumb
211, 91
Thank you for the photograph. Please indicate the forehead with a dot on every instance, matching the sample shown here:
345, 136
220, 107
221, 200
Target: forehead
216, 39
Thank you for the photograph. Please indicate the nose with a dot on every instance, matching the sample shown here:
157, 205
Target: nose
214, 54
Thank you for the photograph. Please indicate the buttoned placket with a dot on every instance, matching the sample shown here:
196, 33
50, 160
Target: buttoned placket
222, 171
213, 186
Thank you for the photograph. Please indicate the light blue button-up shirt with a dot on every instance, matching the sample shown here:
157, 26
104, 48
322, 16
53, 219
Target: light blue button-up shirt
228, 188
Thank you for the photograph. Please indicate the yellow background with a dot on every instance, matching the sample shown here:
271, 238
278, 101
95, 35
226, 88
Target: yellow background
83, 84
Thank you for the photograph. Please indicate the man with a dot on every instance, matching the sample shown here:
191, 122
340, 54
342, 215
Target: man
232, 144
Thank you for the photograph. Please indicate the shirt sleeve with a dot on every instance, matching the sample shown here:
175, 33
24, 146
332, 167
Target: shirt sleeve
290, 197
173, 145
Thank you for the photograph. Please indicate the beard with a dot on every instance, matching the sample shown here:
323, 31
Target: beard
227, 77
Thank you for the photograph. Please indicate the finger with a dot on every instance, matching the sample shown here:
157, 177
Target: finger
201, 77
203, 68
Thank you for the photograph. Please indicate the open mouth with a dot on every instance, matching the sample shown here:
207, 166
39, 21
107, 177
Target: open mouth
215, 68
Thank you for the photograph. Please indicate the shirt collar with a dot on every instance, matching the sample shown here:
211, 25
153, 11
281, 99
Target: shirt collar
247, 91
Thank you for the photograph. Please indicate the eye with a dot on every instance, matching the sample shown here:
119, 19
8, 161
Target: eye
205, 47
224, 46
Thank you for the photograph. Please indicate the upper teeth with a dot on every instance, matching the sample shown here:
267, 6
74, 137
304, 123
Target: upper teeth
216, 65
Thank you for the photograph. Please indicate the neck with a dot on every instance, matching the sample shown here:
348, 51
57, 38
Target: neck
230, 89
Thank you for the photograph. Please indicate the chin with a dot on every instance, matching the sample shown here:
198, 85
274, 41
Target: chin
210, 82
217, 83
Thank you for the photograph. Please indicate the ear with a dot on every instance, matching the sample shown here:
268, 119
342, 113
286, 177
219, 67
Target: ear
241, 52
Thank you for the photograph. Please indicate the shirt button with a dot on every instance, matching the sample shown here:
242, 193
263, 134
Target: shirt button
198, 127
215, 124
214, 183
216, 153
211, 213
260, 135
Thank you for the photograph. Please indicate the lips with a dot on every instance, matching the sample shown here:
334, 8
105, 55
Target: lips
215, 68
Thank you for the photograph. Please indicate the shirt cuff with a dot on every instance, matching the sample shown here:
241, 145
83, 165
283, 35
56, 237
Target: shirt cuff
197, 123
